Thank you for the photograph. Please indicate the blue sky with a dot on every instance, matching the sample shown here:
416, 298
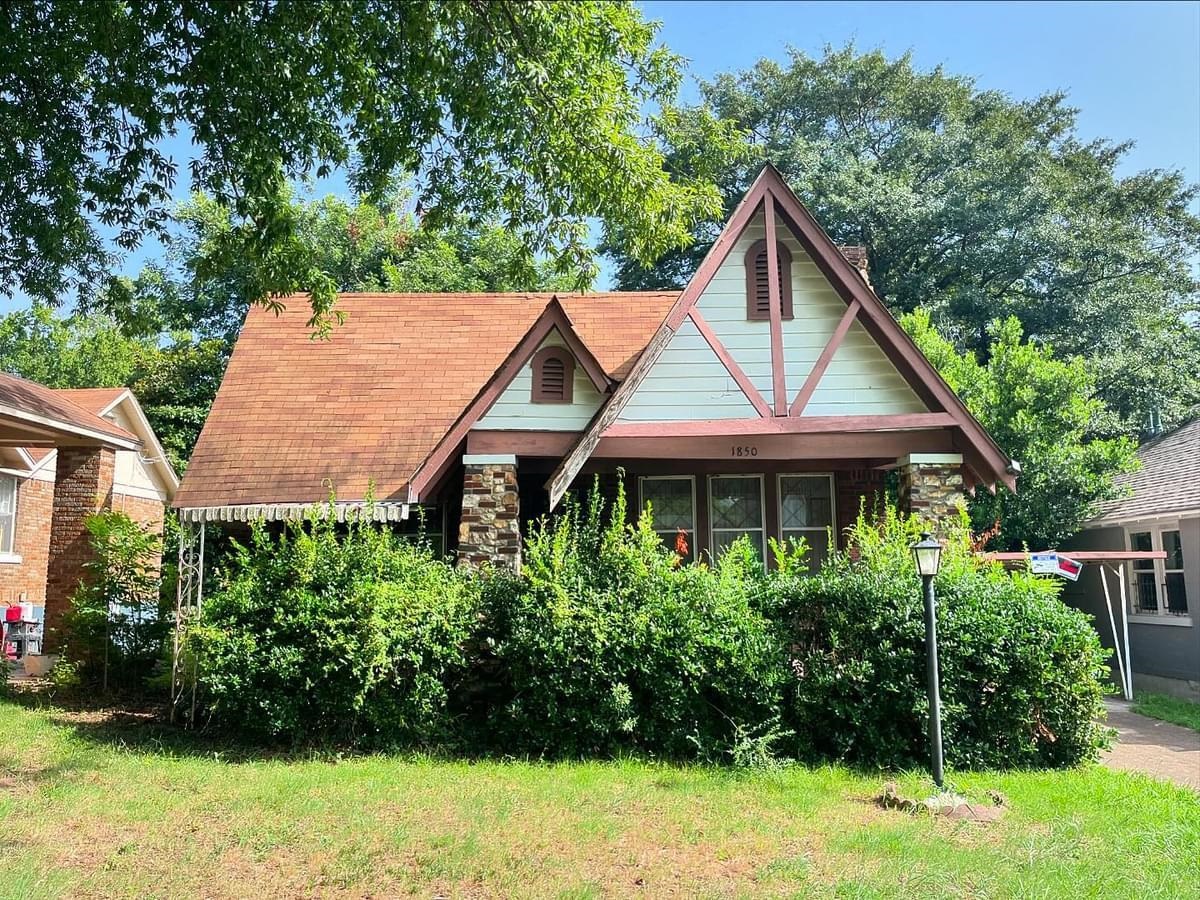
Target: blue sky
1133, 69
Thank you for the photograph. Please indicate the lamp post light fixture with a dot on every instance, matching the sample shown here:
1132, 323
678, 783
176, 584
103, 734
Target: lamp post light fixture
927, 553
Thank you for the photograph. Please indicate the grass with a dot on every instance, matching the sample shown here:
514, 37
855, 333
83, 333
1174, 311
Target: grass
95, 809
1170, 709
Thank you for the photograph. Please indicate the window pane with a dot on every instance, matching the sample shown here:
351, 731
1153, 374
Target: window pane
722, 540
8, 509
805, 502
1146, 590
1140, 542
737, 503
1174, 547
818, 546
1176, 593
670, 502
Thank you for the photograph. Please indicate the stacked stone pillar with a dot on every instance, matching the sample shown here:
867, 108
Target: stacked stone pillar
931, 486
489, 533
83, 486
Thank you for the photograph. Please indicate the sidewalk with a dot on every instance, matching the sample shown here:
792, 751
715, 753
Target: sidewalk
1159, 749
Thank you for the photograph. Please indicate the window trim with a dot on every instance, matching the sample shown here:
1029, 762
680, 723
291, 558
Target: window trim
11, 555
762, 504
831, 528
785, 278
1159, 567
538, 393
695, 532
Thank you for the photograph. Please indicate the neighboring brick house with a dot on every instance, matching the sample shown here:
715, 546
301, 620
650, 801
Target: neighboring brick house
1160, 513
65, 454
766, 398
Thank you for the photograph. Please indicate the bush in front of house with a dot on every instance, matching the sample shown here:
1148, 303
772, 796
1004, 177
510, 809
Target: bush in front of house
1021, 673
607, 644
342, 632
115, 630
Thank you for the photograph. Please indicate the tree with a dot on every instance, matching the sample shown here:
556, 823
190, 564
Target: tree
168, 333
1046, 414
974, 206
529, 113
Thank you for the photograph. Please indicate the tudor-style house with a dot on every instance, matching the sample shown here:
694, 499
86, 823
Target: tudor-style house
765, 398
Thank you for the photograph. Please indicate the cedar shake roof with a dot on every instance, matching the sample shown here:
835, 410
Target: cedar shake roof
1168, 482
58, 408
296, 417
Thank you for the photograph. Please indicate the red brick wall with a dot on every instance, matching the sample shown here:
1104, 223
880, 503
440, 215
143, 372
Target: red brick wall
147, 512
35, 502
83, 486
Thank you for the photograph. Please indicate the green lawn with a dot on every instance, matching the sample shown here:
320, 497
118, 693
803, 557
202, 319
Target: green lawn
89, 808
1169, 709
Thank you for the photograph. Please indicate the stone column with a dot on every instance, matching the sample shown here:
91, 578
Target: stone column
489, 532
82, 487
931, 486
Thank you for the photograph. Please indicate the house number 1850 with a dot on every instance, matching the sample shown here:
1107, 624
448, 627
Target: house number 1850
743, 450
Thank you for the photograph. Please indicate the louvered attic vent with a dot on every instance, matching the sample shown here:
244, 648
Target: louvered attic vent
758, 298
553, 376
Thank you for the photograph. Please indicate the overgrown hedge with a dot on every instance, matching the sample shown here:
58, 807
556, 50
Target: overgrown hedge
608, 644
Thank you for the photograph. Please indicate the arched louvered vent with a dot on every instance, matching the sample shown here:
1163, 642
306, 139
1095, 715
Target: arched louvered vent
553, 376
758, 297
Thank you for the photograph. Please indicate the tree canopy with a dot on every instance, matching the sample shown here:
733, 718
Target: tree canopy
529, 114
1045, 412
168, 332
972, 205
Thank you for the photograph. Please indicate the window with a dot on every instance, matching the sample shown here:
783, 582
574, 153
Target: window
672, 500
1158, 586
553, 376
425, 524
758, 299
806, 511
8, 514
736, 505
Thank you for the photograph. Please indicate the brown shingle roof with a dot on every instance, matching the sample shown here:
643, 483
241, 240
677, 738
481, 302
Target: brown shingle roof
94, 399
56, 407
1168, 482
295, 415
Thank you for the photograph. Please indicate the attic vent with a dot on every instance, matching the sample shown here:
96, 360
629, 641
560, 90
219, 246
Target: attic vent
553, 376
758, 298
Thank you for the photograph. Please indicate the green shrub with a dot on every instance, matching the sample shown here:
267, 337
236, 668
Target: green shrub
607, 644
1020, 672
346, 632
115, 630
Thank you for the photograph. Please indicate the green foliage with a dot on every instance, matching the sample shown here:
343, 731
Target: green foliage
114, 631
343, 632
1020, 671
531, 113
609, 645
1175, 710
1046, 414
973, 205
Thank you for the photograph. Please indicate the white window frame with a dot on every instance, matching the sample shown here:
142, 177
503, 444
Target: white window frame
831, 528
9, 554
663, 532
762, 505
1161, 616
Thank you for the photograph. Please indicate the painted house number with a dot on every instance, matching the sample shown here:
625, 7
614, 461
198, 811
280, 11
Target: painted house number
743, 450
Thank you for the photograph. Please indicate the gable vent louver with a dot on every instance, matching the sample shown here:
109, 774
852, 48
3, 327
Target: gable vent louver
758, 294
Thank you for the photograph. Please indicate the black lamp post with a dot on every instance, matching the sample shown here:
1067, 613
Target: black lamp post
928, 556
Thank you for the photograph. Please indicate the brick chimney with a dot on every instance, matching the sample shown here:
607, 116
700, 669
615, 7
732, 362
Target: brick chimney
856, 255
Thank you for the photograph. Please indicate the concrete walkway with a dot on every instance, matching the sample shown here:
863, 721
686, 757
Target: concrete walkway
1159, 749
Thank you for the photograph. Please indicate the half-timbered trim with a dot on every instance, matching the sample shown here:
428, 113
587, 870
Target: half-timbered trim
778, 377
785, 425
735, 371
822, 363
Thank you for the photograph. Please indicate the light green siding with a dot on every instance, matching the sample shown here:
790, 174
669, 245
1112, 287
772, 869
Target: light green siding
513, 409
689, 382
